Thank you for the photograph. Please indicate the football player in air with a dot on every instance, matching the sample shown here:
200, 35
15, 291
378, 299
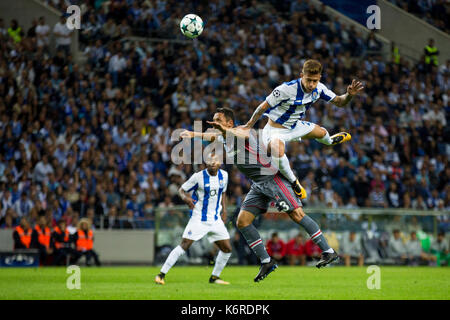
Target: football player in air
286, 107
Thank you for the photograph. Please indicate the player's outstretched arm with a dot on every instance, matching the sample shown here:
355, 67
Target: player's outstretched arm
186, 198
240, 132
207, 136
353, 89
257, 114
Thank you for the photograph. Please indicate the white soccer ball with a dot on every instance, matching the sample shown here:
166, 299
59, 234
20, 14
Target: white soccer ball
191, 25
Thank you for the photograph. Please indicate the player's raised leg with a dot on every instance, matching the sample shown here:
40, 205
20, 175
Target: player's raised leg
173, 257
222, 258
276, 148
321, 135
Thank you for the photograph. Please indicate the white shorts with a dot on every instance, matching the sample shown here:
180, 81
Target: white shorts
195, 230
284, 134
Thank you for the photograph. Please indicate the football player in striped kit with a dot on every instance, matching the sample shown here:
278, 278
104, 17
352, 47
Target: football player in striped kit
286, 107
207, 216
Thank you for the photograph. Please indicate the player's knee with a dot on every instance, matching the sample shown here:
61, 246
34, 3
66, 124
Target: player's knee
241, 223
322, 132
226, 249
297, 215
185, 244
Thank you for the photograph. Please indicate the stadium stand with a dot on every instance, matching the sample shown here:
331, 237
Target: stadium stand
93, 140
434, 12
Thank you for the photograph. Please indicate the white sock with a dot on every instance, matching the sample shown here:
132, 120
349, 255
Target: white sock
267, 260
329, 250
172, 259
221, 261
284, 166
326, 139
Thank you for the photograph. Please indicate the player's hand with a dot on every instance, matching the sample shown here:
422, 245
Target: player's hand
355, 88
217, 126
187, 134
190, 202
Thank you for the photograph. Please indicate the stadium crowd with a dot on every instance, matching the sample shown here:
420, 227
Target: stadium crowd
93, 140
434, 12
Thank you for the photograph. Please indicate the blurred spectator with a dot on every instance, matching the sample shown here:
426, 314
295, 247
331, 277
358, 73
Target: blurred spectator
351, 250
61, 244
62, 35
396, 248
414, 251
431, 53
40, 239
440, 251
295, 250
22, 235
43, 34
15, 31
276, 248
84, 243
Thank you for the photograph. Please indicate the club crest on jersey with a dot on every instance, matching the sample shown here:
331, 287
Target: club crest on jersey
315, 95
221, 183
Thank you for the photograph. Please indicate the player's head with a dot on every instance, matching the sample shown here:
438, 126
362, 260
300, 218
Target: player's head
213, 163
225, 116
311, 74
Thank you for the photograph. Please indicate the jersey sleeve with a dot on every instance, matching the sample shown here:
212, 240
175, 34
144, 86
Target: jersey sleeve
326, 94
191, 184
225, 180
278, 95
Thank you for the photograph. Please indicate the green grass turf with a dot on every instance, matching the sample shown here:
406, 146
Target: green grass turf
191, 283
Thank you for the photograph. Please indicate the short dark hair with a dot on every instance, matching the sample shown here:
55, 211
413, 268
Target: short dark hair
229, 113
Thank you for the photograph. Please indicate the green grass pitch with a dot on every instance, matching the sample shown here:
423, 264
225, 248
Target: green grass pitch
191, 283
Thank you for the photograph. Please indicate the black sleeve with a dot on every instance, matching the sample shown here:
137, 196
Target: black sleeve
17, 243
34, 240
74, 237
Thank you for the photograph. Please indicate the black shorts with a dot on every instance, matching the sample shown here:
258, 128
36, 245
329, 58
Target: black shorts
278, 189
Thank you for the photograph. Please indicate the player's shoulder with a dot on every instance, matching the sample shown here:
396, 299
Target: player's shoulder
321, 86
224, 173
289, 86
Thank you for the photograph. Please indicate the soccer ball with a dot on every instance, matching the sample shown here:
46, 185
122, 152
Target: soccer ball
191, 25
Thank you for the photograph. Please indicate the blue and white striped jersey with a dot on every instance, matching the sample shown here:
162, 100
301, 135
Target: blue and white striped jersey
207, 192
288, 102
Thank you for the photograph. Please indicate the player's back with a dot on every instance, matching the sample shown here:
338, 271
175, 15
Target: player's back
250, 157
